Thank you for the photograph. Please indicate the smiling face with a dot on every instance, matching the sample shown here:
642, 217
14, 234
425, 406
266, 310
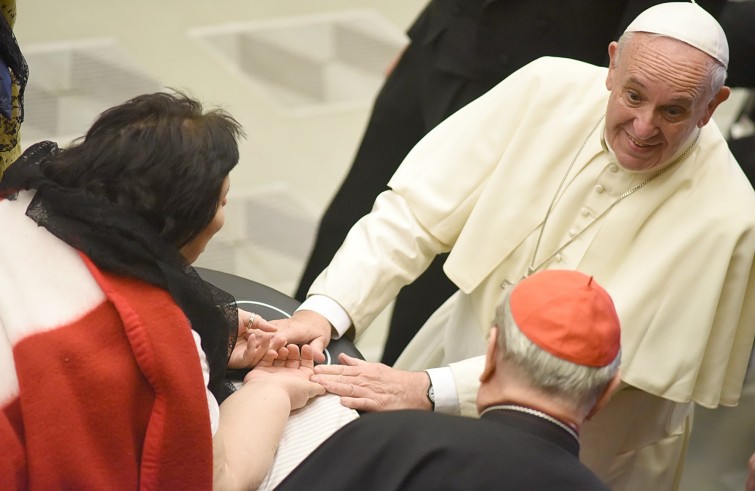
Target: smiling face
192, 249
660, 94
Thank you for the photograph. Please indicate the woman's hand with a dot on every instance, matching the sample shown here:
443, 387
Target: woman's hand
290, 368
256, 337
253, 418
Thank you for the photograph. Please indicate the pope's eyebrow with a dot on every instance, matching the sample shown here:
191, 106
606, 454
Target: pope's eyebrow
681, 100
635, 81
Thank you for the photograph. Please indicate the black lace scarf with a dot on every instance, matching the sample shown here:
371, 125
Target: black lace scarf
123, 242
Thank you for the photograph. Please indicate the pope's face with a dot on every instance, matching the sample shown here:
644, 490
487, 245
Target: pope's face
192, 249
660, 95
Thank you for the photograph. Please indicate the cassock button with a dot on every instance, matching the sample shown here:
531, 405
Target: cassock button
585, 212
613, 168
599, 188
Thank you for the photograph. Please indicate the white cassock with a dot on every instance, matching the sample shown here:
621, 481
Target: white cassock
676, 255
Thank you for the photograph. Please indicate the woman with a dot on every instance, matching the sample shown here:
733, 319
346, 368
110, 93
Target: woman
114, 351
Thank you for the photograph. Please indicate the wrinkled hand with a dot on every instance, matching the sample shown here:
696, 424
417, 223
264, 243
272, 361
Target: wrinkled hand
306, 327
367, 386
291, 368
254, 340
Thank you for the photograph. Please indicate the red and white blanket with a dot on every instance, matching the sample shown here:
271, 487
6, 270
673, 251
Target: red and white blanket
100, 383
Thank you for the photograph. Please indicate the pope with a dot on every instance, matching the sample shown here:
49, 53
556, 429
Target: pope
619, 173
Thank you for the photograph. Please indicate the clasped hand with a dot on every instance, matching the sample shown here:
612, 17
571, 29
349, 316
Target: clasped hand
260, 345
256, 337
362, 385
306, 327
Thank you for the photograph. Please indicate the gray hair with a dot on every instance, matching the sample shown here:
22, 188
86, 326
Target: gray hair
716, 70
577, 385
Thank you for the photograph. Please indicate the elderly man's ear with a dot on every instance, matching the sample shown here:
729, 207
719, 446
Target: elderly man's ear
491, 355
717, 99
605, 396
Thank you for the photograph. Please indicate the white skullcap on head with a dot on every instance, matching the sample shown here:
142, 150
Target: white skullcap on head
687, 22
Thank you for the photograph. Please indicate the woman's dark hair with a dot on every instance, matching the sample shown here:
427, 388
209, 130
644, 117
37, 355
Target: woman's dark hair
143, 181
158, 155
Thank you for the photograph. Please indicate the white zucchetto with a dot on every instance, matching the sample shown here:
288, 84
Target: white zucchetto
687, 22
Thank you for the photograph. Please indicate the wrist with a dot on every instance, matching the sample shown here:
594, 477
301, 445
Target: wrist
273, 393
319, 322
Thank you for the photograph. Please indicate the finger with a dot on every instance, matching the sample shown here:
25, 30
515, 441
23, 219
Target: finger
280, 360
293, 356
340, 388
260, 340
350, 360
252, 343
360, 404
344, 370
282, 352
318, 349
256, 349
264, 325
250, 320
243, 315
320, 379
272, 339
329, 369
307, 356
268, 358
277, 341
315, 389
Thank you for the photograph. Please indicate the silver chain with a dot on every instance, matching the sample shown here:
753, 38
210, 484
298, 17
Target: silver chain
532, 268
